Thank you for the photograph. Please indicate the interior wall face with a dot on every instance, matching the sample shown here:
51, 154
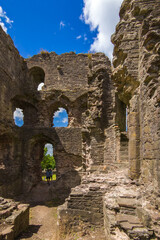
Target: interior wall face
79, 83
149, 76
12, 78
67, 152
10, 165
136, 76
12, 82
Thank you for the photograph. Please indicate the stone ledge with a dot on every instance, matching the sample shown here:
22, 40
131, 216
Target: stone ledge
14, 219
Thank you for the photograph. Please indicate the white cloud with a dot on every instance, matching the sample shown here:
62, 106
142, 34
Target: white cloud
65, 120
18, 113
102, 15
62, 24
4, 19
40, 86
3, 26
78, 37
61, 110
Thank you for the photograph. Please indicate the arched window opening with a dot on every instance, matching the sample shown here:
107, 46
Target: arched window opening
48, 164
37, 76
18, 117
40, 86
60, 118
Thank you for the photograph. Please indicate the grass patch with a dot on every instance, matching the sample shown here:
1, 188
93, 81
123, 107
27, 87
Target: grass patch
45, 179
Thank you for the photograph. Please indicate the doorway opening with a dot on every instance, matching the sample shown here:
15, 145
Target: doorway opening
48, 164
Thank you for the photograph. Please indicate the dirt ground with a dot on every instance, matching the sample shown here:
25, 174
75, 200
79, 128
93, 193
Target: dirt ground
43, 223
43, 217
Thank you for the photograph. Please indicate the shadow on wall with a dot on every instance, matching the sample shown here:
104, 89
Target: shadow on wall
37, 78
10, 165
121, 114
24, 112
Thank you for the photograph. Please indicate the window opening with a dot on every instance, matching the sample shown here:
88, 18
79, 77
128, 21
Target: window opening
126, 119
60, 118
40, 86
48, 164
18, 117
37, 76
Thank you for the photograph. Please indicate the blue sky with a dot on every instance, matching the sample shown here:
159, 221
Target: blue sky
60, 118
60, 26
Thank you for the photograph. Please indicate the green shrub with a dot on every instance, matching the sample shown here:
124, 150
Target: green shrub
48, 161
42, 51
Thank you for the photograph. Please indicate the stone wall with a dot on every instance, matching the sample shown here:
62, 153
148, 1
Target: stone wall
13, 76
67, 152
79, 83
99, 116
14, 218
136, 75
12, 83
93, 152
131, 204
62, 72
149, 100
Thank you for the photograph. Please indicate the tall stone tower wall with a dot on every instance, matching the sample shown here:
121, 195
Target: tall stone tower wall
136, 75
13, 72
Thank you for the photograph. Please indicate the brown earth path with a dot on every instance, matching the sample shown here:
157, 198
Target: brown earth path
43, 217
43, 223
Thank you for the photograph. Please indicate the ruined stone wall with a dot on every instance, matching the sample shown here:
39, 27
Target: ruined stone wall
86, 93
12, 72
65, 86
149, 100
62, 72
14, 218
99, 115
67, 153
79, 83
136, 75
12, 83
131, 203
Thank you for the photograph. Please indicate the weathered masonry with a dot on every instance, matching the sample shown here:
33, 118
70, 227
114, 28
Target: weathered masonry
79, 83
108, 173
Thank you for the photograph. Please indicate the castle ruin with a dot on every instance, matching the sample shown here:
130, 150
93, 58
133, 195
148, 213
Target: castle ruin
108, 175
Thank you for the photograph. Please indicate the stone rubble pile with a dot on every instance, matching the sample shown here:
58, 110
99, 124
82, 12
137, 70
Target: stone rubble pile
14, 218
127, 209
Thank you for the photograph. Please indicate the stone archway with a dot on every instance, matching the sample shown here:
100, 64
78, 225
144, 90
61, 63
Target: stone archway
37, 76
34, 155
67, 164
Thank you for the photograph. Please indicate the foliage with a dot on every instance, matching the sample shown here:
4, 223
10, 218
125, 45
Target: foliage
42, 51
48, 161
90, 56
52, 179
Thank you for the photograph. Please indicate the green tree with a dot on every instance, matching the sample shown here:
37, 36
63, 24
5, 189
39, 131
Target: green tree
48, 160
